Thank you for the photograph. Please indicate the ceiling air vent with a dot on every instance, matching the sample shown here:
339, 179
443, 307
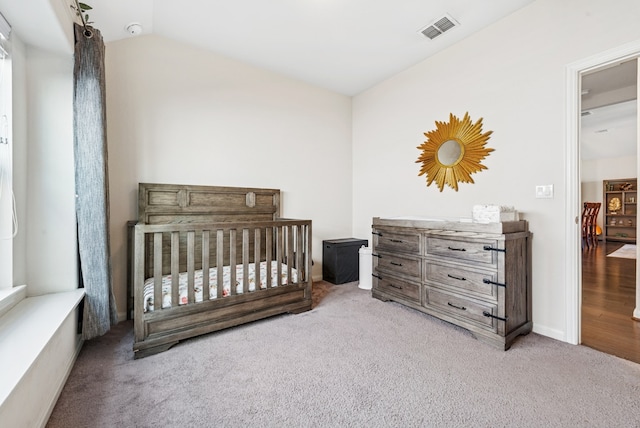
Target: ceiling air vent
439, 26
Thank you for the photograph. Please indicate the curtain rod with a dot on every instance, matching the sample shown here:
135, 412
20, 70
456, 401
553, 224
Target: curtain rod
88, 33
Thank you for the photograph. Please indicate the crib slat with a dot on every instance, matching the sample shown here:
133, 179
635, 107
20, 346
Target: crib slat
175, 268
279, 252
220, 263
256, 256
306, 273
205, 265
299, 252
268, 255
191, 249
138, 267
157, 271
233, 261
290, 259
245, 260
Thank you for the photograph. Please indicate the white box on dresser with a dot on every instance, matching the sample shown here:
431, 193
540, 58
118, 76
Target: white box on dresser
475, 275
493, 214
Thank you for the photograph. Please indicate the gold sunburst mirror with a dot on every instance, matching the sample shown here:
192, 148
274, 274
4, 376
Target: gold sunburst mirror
453, 151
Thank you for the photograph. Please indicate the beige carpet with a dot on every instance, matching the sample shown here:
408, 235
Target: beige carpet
627, 251
352, 361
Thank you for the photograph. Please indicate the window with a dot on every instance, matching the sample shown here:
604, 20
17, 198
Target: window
8, 222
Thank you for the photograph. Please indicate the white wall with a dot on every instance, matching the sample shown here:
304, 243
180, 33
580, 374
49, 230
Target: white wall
513, 75
179, 114
50, 220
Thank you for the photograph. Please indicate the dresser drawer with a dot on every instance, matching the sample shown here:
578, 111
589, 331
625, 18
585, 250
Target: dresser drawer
401, 288
462, 308
467, 281
472, 251
398, 264
396, 242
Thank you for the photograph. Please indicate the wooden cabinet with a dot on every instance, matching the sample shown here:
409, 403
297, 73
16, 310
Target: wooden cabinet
477, 276
620, 199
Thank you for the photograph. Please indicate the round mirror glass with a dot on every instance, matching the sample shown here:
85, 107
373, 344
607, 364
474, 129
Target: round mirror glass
449, 152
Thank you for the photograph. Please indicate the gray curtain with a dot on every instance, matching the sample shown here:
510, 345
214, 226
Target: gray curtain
92, 183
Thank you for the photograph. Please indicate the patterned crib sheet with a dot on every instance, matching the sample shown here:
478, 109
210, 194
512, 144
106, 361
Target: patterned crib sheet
213, 281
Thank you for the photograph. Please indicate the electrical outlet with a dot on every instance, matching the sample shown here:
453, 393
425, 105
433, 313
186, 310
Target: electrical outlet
544, 191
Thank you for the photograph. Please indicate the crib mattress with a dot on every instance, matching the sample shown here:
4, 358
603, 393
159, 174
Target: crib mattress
213, 281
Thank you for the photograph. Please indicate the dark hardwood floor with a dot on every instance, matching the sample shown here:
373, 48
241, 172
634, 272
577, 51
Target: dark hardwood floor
608, 301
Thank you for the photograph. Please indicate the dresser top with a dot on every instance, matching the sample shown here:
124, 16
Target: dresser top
453, 225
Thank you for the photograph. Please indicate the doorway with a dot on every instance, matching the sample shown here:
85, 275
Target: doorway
575, 74
608, 151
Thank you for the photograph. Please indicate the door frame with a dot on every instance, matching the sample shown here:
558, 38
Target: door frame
573, 236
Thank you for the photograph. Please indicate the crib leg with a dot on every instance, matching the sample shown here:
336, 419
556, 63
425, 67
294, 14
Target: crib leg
141, 353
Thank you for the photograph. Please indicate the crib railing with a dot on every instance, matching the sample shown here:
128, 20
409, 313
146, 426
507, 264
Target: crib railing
174, 248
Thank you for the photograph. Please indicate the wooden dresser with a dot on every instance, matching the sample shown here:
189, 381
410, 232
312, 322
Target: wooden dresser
477, 276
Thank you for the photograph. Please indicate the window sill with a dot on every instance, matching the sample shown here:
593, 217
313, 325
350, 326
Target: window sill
9, 297
26, 329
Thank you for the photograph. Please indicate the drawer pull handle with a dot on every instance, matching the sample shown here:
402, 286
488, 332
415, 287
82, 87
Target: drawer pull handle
377, 276
490, 248
488, 281
396, 240
457, 307
456, 249
396, 264
397, 287
459, 278
376, 233
376, 255
487, 314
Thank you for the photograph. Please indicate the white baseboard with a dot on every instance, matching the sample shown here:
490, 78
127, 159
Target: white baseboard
549, 332
122, 316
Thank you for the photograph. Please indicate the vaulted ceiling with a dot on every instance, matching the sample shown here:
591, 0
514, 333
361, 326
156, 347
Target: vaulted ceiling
344, 46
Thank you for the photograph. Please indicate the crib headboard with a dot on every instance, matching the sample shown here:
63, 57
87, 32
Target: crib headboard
176, 203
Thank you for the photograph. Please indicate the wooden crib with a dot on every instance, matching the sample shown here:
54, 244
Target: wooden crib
206, 258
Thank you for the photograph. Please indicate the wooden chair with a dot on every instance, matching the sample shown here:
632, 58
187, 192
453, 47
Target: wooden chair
589, 216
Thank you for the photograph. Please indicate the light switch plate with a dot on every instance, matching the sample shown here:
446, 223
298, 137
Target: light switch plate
544, 191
